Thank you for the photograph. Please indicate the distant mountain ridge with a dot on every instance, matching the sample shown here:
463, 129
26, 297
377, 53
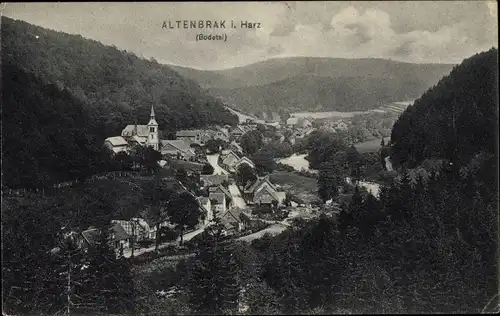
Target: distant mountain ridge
317, 83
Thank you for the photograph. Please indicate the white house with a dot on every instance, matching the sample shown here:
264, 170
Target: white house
241, 161
117, 144
206, 206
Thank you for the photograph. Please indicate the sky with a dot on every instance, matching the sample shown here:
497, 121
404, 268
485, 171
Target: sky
410, 31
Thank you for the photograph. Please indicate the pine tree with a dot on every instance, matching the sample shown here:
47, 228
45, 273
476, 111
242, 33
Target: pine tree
291, 290
213, 277
106, 283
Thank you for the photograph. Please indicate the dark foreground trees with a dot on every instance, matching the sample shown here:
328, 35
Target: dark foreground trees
213, 276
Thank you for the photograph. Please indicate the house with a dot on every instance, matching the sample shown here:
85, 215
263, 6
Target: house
195, 136
118, 238
234, 146
232, 221
213, 179
275, 117
304, 123
177, 149
299, 122
136, 227
238, 131
340, 125
223, 190
206, 207
218, 202
241, 161
292, 121
220, 133
298, 134
262, 191
228, 158
140, 228
117, 144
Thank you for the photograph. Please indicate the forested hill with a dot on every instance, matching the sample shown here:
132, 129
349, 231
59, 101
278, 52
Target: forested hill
454, 120
318, 84
48, 136
120, 86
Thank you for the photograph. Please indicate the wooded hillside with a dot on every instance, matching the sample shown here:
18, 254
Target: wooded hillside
455, 119
118, 85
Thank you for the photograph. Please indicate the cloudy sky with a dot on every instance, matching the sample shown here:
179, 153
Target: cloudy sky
420, 32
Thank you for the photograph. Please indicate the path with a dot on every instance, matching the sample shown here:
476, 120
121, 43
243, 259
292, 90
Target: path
214, 161
188, 236
239, 202
274, 229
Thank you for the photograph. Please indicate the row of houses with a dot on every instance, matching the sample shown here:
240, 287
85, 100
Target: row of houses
219, 201
231, 161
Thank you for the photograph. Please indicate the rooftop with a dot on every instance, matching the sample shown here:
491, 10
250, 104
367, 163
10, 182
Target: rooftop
117, 141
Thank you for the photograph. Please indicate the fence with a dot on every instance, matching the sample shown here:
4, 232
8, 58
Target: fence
58, 186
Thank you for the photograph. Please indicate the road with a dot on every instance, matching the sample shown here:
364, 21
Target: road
274, 229
137, 252
214, 161
238, 201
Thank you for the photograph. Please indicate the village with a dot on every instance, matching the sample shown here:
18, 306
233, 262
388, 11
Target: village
246, 209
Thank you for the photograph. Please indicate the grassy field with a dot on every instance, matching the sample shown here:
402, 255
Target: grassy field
304, 188
370, 146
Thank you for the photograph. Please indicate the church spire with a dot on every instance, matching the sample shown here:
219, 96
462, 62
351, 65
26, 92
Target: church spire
152, 112
152, 120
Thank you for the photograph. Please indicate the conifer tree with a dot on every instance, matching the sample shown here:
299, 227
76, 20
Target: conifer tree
106, 283
213, 277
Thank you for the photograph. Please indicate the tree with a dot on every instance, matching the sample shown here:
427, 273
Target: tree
213, 275
251, 142
329, 182
213, 146
264, 162
244, 175
185, 212
157, 196
106, 284
146, 157
181, 175
123, 160
207, 169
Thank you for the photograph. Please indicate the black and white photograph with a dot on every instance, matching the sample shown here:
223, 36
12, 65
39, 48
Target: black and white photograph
249, 158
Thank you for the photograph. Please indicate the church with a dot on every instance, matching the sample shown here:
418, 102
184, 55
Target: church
144, 135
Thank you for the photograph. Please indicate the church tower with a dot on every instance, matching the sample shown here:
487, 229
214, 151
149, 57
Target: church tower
153, 139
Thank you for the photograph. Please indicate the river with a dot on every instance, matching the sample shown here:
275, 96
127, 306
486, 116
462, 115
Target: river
299, 163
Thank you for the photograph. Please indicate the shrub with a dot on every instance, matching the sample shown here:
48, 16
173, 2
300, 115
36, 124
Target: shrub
282, 167
168, 234
262, 209
145, 243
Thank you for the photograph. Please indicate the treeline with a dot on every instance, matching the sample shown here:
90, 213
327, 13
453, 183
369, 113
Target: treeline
38, 257
117, 85
38, 254
425, 247
453, 120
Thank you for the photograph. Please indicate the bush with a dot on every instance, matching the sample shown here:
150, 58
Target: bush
207, 169
282, 167
262, 209
308, 174
168, 234
145, 243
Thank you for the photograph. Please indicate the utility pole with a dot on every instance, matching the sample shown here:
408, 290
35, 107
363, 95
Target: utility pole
68, 311
69, 243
